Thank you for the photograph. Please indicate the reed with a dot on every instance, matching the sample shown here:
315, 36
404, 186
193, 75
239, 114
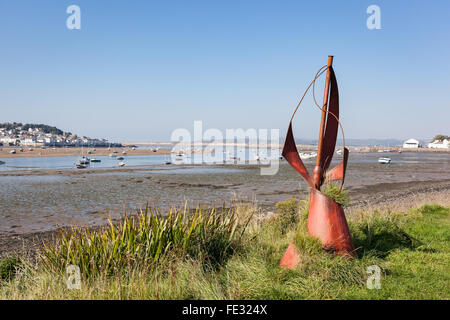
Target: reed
147, 239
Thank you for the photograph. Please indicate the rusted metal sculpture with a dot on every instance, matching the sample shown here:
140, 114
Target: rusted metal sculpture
326, 218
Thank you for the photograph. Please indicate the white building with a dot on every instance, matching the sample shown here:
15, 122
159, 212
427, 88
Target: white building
28, 142
7, 140
411, 143
440, 144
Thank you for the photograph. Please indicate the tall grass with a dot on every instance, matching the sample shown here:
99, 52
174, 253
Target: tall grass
147, 239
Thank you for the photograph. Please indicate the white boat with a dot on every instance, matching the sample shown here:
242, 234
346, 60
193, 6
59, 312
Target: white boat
121, 164
112, 155
384, 160
305, 156
84, 160
13, 151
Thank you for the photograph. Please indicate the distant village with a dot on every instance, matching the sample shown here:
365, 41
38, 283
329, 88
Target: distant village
39, 135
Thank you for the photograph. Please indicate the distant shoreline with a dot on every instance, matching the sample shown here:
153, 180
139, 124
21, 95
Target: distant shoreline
74, 152
103, 151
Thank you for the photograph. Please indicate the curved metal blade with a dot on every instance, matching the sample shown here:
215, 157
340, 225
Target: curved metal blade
331, 129
290, 153
338, 172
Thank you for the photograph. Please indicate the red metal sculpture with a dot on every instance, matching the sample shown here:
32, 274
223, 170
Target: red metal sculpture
326, 218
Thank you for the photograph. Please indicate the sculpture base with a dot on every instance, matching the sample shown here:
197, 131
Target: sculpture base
326, 221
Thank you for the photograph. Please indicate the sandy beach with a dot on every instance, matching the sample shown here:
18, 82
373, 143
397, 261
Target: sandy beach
5, 152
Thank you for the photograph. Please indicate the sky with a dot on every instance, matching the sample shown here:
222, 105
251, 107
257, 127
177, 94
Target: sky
137, 70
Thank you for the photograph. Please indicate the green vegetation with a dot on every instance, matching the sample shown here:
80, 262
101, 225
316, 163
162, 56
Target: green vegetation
147, 239
8, 268
335, 192
230, 255
441, 137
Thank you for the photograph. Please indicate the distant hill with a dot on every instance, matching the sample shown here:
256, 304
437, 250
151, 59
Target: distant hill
43, 127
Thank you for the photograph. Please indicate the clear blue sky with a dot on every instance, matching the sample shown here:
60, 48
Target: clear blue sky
139, 69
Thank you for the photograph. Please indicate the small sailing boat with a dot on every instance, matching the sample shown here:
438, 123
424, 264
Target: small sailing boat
95, 160
121, 164
120, 158
384, 160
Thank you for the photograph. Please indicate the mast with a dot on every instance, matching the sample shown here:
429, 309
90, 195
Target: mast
317, 173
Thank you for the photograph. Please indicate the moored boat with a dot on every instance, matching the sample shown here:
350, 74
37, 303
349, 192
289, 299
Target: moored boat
84, 160
305, 156
121, 164
384, 160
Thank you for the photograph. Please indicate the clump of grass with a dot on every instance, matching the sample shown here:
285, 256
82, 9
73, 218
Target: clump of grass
290, 212
380, 233
433, 209
147, 239
9, 267
336, 193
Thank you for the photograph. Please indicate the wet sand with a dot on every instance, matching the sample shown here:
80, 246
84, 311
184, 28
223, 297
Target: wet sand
35, 203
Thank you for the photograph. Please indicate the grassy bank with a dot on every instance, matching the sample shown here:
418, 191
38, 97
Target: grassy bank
235, 255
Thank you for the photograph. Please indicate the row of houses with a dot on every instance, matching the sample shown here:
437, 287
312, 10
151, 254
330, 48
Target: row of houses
34, 137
